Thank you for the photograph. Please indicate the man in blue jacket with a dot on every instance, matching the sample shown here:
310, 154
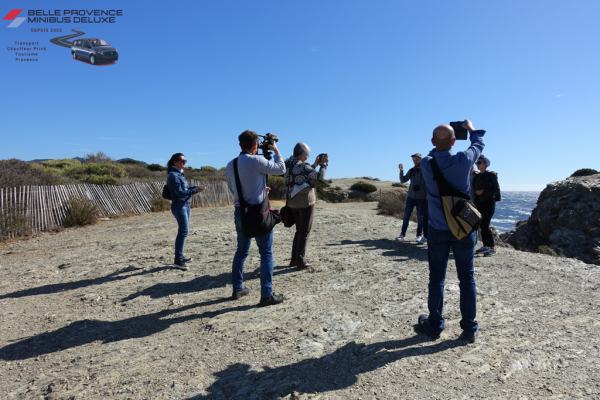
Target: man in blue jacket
253, 171
455, 168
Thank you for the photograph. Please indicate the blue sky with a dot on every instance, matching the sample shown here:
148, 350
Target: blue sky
365, 81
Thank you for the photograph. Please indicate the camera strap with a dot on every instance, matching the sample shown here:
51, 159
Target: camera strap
461, 215
238, 184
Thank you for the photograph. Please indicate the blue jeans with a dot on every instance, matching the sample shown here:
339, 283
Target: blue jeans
182, 212
439, 243
422, 215
265, 248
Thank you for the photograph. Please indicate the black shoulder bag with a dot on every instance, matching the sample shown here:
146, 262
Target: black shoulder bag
257, 219
461, 215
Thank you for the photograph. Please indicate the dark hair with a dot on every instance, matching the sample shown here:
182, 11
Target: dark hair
171, 163
247, 139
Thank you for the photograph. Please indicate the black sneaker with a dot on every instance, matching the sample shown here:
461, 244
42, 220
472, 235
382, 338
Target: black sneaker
469, 337
426, 327
237, 295
270, 301
489, 253
187, 260
181, 265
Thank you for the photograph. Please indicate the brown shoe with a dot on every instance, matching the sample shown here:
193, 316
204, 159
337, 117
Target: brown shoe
293, 263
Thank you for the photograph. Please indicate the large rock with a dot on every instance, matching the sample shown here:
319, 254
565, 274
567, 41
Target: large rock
566, 218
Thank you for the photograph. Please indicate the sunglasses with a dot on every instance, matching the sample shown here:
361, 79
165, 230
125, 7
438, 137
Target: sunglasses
479, 162
183, 161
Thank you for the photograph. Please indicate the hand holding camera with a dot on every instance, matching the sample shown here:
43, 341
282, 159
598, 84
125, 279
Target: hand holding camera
401, 167
461, 128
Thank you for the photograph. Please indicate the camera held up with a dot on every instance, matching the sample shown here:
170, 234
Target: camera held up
268, 140
459, 132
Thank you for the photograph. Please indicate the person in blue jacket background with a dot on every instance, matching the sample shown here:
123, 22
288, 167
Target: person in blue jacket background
181, 199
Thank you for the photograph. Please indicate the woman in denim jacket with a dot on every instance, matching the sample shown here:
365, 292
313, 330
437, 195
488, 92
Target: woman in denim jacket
181, 197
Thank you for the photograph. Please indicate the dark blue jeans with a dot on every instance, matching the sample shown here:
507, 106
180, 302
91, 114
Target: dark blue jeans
439, 243
182, 212
422, 215
265, 249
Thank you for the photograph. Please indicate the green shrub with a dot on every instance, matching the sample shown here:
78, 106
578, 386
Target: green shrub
364, 187
99, 158
13, 220
101, 180
80, 212
61, 164
394, 204
15, 173
546, 250
320, 186
131, 161
584, 172
398, 184
158, 203
222, 168
208, 169
139, 173
156, 167
278, 188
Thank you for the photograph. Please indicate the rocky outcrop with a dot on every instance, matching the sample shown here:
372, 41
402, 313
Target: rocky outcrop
566, 218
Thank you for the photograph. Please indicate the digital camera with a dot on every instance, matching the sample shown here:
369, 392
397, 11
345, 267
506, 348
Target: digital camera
459, 132
268, 140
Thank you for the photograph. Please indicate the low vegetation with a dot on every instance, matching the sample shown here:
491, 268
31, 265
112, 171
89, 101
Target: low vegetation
584, 172
277, 185
363, 187
159, 204
320, 187
13, 222
80, 212
15, 173
398, 184
550, 251
97, 169
394, 204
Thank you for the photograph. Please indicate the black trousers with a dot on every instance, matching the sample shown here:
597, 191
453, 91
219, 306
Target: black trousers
487, 208
303, 218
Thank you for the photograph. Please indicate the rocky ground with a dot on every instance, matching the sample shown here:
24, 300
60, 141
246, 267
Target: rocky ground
99, 313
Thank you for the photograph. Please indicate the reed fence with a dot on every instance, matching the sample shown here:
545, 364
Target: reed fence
31, 209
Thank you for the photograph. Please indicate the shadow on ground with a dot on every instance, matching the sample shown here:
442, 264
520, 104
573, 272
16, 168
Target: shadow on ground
336, 371
61, 287
200, 283
395, 249
87, 331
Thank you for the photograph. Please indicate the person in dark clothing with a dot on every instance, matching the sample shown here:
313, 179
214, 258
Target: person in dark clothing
300, 179
417, 197
181, 197
486, 189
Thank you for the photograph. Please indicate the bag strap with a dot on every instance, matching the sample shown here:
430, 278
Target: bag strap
238, 185
443, 185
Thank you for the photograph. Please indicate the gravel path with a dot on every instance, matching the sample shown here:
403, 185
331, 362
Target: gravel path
98, 313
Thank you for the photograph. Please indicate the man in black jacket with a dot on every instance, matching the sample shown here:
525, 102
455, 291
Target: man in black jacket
417, 197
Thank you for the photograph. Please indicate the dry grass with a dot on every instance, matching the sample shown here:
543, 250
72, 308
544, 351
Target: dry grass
394, 204
159, 204
14, 222
80, 212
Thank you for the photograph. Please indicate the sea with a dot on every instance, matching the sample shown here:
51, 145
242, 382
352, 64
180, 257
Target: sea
514, 206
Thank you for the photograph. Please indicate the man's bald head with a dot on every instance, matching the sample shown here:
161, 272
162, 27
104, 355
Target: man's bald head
443, 137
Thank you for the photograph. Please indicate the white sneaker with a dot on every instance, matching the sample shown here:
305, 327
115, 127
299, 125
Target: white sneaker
419, 238
423, 240
399, 238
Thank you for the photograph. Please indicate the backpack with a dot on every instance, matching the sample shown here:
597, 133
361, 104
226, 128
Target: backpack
166, 193
460, 212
